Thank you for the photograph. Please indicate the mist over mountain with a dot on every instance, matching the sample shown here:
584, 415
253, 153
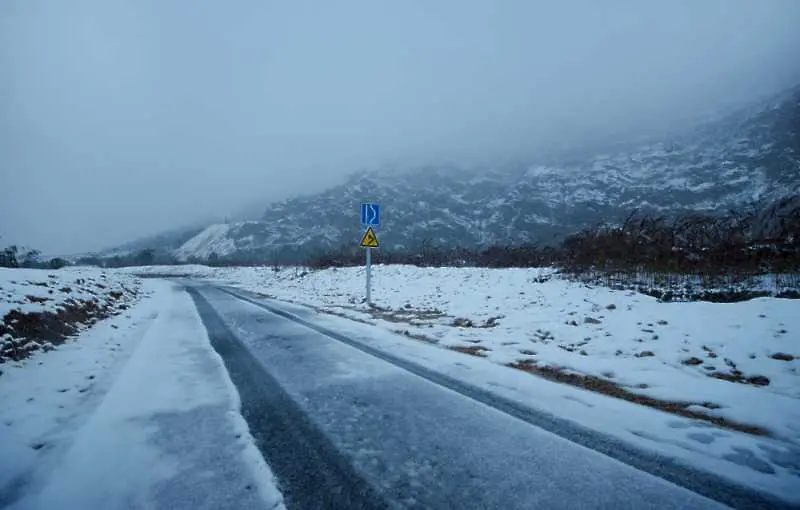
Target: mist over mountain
747, 157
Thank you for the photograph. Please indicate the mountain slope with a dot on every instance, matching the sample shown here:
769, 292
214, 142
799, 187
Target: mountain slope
750, 156
165, 241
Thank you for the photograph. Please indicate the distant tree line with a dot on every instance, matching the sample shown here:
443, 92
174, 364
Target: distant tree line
144, 257
757, 241
752, 242
14, 257
431, 255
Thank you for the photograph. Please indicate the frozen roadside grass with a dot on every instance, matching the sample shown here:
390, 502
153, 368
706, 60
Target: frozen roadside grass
611, 388
732, 364
40, 309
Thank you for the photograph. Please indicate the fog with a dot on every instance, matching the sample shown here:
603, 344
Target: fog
122, 118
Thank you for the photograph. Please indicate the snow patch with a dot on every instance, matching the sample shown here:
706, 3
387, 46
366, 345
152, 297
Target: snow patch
214, 239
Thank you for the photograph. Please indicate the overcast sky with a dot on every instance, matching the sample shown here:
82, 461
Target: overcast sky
121, 118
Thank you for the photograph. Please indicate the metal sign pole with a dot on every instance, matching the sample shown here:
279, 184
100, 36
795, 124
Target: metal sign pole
369, 276
370, 217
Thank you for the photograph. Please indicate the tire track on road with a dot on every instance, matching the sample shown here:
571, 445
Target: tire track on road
311, 473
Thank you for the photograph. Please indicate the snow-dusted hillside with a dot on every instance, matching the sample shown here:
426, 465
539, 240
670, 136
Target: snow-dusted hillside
254, 238
214, 239
163, 242
751, 156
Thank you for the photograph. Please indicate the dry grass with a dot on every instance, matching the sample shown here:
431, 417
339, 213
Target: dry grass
613, 389
406, 315
28, 329
416, 336
736, 376
35, 299
472, 350
342, 315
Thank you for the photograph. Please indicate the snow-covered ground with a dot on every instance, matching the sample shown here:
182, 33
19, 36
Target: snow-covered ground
73, 298
135, 412
40, 290
677, 352
138, 409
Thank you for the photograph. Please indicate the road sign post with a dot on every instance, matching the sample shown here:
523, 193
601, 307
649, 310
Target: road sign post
370, 217
369, 276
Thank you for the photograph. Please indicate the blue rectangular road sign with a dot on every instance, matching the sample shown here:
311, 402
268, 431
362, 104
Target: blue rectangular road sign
370, 215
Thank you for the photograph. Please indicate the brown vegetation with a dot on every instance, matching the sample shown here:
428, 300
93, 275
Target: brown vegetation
723, 258
22, 333
473, 350
613, 389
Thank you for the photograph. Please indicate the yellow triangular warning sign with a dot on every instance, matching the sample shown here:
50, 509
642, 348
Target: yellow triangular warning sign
369, 240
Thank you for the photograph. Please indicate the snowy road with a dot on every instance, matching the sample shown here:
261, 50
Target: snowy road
343, 425
180, 400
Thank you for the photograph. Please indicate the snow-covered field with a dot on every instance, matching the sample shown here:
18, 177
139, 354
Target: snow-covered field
737, 361
136, 411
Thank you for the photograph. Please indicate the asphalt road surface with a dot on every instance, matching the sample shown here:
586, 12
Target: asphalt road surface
345, 426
